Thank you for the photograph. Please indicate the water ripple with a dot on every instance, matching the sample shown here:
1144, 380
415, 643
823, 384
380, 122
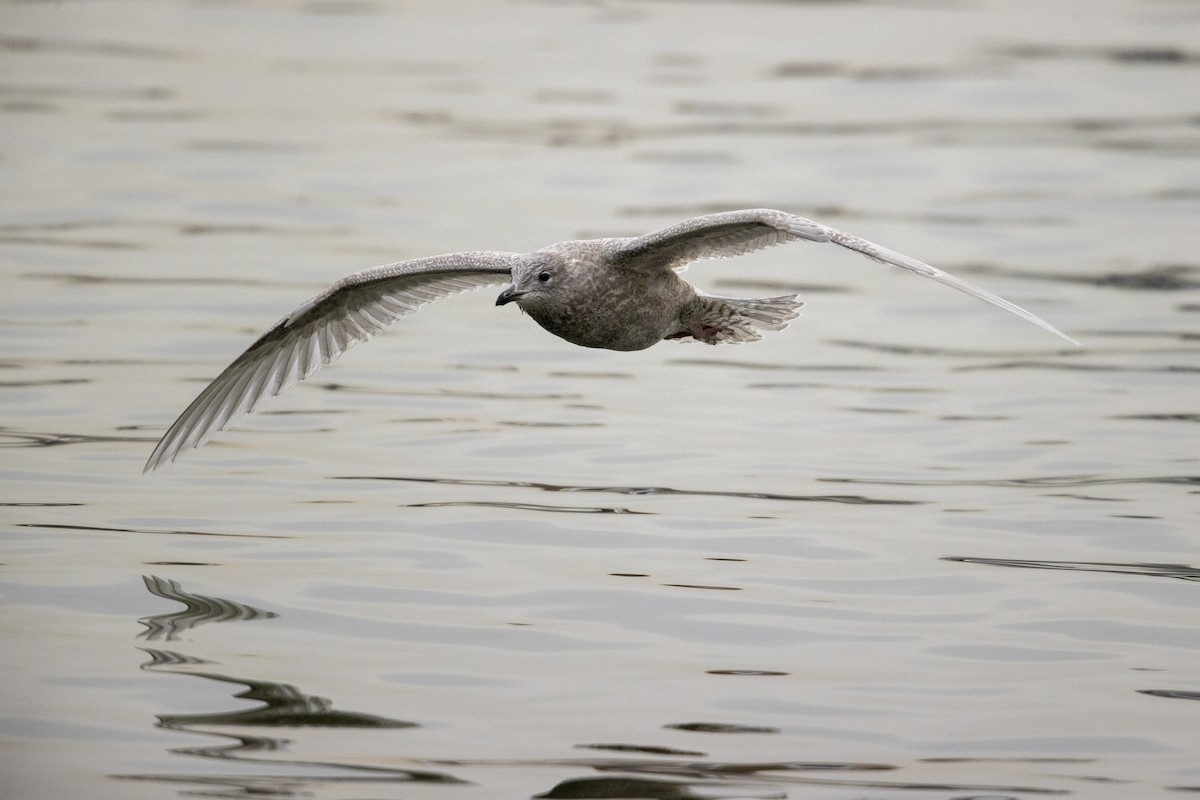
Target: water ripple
15, 438
1043, 482
1060, 365
1185, 572
200, 610
1156, 277
851, 499
157, 531
532, 507
1174, 694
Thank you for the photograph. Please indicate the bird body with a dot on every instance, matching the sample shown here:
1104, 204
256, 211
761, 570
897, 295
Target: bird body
616, 294
568, 290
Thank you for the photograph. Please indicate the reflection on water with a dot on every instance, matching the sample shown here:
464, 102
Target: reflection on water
283, 705
200, 609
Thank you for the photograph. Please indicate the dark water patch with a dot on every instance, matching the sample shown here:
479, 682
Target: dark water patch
47, 382
32, 44
716, 780
938, 351
635, 490
80, 279
27, 107
808, 385
248, 146
608, 376
1090, 497
834, 69
483, 367
1156, 277
709, 587
656, 750
648, 789
1185, 572
877, 410
834, 212
1146, 133
590, 97
1174, 694
701, 158
805, 385
153, 531
180, 227
746, 672
39, 505
152, 115
531, 507
720, 727
87, 244
717, 108
1004, 760
1051, 481
790, 70
548, 424
200, 610
759, 365
1075, 367
288, 786
364, 389
57, 91
14, 438
1181, 417
1153, 55
1184, 335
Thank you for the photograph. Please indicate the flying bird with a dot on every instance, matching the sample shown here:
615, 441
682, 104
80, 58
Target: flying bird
616, 294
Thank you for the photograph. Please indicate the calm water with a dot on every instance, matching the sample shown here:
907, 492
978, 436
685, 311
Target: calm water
910, 548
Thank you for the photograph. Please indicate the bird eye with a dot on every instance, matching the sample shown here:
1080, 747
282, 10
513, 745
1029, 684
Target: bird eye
544, 277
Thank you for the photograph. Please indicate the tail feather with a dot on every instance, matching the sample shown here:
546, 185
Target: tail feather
735, 320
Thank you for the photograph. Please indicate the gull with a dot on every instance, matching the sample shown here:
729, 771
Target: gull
616, 294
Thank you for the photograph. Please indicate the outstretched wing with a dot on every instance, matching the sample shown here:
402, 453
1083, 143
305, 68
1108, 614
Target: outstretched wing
351, 311
734, 233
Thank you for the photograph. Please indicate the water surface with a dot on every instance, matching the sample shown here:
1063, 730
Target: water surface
909, 548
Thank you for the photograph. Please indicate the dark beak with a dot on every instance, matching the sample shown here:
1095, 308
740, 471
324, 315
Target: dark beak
508, 295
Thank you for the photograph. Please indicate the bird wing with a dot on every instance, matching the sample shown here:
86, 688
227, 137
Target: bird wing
350, 311
733, 233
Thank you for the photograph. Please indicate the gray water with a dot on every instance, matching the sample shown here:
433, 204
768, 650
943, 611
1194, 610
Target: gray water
911, 547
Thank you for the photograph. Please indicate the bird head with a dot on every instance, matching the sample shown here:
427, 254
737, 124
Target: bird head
537, 281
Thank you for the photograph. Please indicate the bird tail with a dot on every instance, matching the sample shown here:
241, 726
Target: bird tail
734, 320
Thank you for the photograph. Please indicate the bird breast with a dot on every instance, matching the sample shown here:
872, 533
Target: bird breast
613, 309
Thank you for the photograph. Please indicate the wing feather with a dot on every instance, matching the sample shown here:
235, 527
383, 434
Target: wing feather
351, 311
734, 233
